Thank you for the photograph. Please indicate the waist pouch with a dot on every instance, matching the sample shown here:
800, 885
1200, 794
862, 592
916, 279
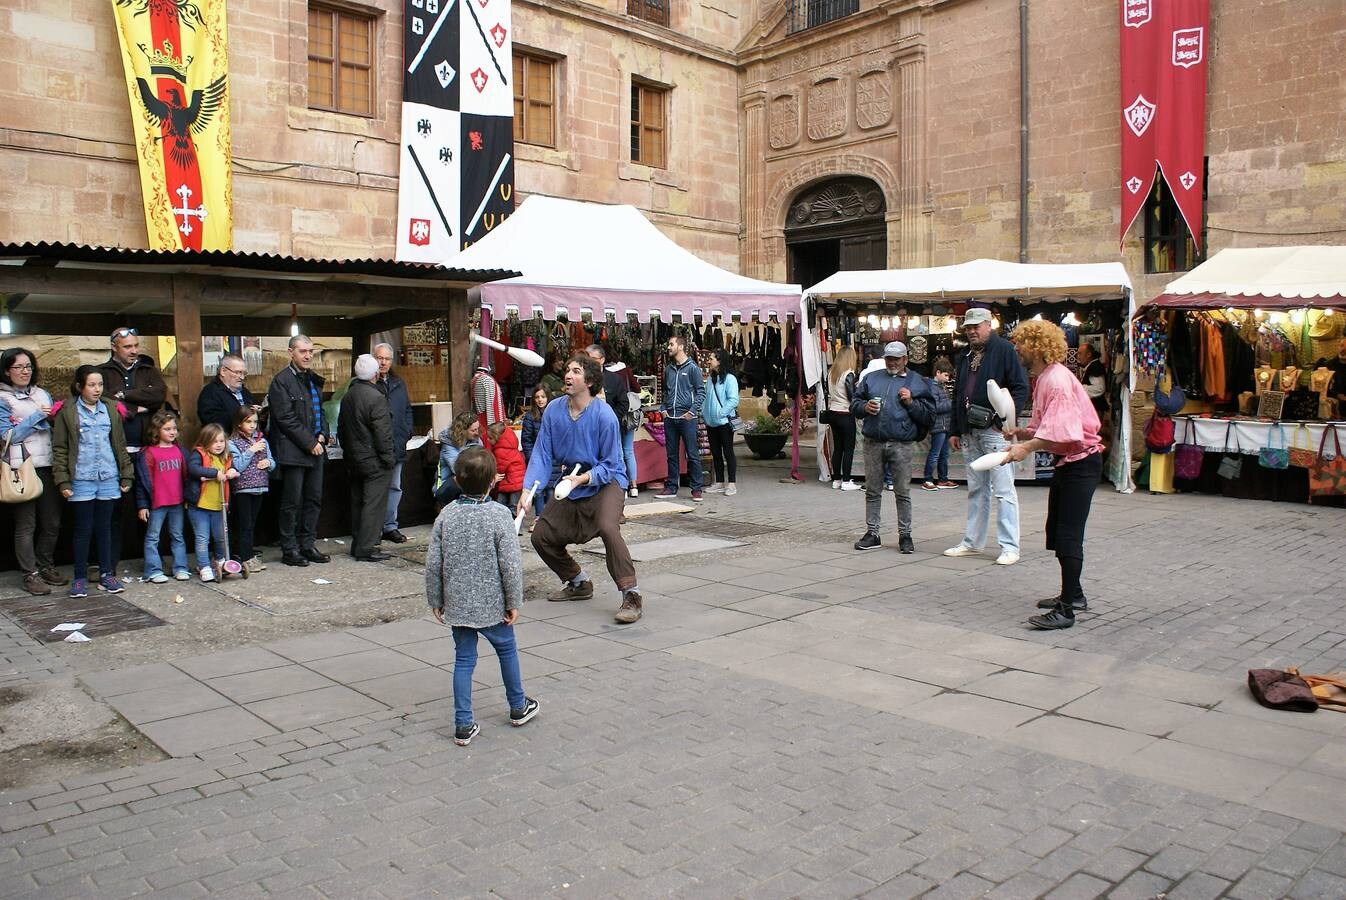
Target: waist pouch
982, 417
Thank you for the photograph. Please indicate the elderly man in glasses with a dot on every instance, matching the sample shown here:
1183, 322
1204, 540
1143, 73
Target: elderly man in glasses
221, 398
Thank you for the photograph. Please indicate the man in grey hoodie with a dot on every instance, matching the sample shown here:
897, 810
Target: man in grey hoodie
897, 409
684, 389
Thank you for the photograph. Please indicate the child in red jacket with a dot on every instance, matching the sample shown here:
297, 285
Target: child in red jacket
509, 463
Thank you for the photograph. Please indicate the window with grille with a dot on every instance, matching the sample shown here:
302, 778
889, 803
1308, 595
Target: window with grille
1169, 246
804, 14
534, 100
340, 60
649, 116
655, 11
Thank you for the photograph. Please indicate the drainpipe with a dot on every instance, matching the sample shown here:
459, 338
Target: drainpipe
1023, 131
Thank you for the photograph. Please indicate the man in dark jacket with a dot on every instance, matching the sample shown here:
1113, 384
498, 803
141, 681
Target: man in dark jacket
365, 429
221, 398
130, 377
299, 443
399, 407
897, 409
976, 432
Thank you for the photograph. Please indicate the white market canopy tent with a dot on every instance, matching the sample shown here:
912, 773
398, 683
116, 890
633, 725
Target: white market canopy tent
1266, 277
577, 256
985, 280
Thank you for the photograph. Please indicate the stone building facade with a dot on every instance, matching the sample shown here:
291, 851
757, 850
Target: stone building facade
888, 135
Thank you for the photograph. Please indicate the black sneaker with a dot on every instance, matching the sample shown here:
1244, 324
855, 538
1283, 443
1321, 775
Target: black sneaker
463, 734
1080, 605
870, 541
1052, 620
524, 714
905, 544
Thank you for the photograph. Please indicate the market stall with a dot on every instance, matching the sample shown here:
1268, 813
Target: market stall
597, 273
922, 307
1252, 338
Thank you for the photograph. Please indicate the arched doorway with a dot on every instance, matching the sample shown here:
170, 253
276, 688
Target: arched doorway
835, 225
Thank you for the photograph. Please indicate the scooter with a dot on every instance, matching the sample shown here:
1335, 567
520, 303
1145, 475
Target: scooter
230, 566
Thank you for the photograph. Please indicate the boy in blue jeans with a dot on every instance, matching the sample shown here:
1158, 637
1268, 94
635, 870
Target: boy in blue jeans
474, 583
942, 387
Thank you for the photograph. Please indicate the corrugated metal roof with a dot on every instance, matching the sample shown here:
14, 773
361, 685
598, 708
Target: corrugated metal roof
235, 259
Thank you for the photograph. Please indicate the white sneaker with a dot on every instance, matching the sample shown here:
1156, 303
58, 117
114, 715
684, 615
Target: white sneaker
634, 492
731, 490
836, 485
962, 550
182, 576
157, 578
851, 486
207, 573
1008, 558
715, 488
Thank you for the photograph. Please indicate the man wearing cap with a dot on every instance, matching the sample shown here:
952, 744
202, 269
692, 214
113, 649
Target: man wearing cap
365, 427
896, 408
977, 431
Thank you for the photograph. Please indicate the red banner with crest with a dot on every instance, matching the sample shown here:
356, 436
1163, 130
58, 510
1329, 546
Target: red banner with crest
1163, 104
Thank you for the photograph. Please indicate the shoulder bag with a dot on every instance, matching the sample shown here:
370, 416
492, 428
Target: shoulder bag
1302, 455
18, 484
1231, 466
1327, 477
1271, 456
1188, 456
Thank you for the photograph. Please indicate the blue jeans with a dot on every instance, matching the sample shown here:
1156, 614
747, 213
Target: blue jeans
465, 661
938, 456
208, 532
93, 524
629, 455
683, 430
172, 517
394, 499
982, 485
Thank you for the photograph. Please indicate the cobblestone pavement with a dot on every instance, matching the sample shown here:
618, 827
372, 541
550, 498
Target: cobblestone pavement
791, 718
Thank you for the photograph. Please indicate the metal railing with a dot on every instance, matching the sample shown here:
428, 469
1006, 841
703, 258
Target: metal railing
804, 14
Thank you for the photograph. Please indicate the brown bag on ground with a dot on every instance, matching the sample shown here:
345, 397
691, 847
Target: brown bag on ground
1277, 689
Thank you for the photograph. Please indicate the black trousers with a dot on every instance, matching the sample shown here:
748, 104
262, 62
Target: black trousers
1068, 500
246, 508
722, 451
843, 444
369, 506
300, 503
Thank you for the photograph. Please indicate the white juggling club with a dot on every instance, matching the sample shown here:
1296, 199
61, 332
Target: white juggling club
518, 354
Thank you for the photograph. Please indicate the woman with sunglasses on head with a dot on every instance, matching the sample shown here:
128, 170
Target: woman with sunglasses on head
25, 432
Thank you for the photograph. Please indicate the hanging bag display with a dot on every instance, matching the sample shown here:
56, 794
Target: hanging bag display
1301, 454
1271, 456
1189, 456
1327, 477
18, 484
1231, 466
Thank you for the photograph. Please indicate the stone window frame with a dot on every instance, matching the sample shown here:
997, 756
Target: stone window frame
523, 104
1167, 241
339, 12
639, 125
656, 12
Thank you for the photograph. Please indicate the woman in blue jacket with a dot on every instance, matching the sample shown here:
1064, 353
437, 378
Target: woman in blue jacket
719, 410
463, 433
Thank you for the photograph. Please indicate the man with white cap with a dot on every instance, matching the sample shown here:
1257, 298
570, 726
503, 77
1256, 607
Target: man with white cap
976, 430
897, 408
365, 429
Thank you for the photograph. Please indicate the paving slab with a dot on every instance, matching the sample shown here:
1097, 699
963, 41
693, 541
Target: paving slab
193, 733
584, 651
135, 678
320, 646
1099, 745
1308, 795
1030, 689
167, 702
1132, 711
971, 713
1278, 742
329, 704
406, 631
268, 683
664, 548
407, 689
230, 662
1217, 772
365, 664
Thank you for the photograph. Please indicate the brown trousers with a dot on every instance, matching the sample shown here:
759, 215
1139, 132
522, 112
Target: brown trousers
570, 521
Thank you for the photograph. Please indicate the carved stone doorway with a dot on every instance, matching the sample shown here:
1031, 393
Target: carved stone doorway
836, 225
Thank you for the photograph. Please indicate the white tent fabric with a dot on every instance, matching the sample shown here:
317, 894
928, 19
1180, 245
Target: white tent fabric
987, 280
1305, 273
980, 279
577, 256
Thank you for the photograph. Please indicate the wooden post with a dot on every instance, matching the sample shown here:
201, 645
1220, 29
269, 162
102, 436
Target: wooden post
187, 329
461, 361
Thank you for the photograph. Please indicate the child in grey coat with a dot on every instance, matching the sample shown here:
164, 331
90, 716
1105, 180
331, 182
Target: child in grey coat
474, 583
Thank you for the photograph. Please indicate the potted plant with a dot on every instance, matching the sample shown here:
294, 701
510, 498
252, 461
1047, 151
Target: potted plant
766, 436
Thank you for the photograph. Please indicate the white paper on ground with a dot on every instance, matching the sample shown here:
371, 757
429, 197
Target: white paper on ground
321, 581
76, 637
69, 626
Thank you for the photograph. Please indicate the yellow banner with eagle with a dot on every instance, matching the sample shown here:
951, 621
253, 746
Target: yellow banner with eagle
177, 75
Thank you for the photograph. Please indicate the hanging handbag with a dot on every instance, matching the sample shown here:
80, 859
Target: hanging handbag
1271, 456
1302, 455
1231, 466
1189, 456
1327, 477
18, 484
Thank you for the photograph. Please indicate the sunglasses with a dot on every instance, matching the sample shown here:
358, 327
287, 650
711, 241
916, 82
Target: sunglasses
125, 333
